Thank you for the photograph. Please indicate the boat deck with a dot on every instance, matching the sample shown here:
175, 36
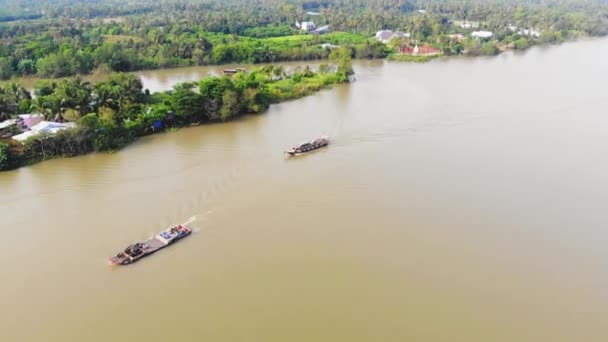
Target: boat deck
152, 245
139, 250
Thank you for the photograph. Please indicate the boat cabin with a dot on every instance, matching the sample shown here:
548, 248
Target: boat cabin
171, 234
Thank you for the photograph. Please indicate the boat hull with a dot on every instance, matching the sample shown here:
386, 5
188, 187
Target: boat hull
148, 247
309, 148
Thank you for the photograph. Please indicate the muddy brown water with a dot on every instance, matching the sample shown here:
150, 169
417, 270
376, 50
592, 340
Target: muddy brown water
459, 200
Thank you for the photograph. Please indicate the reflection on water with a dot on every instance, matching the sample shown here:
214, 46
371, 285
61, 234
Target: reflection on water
459, 200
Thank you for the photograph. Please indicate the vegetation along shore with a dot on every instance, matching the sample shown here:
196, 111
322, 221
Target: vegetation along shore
79, 118
59, 38
62, 38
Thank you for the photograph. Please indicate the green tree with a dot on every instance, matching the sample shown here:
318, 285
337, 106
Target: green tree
230, 105
57, 65
11, 98
26, 66
215, 87
342, 57
521, 44
5, 156
6, 68
187, 104
489, 48
75, 94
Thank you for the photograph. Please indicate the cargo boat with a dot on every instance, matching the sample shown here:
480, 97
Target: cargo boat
139, 250
308, 146
233, 71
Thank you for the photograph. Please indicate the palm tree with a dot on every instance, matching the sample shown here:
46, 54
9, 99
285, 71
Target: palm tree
76, 94
6, 109
10, 98
49, 106
17, 92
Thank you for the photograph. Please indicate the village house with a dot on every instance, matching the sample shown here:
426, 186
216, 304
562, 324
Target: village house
529, 33
457, 36
21, 123
385, 36
7, 128
481, 34
469, 24
43, 127
328, 46
306, 25
525, 32
423, 50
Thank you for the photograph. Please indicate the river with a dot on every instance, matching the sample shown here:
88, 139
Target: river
460, 200
166, 79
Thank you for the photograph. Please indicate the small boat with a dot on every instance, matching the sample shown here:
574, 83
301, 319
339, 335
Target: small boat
233, 71
139, 250
308, 146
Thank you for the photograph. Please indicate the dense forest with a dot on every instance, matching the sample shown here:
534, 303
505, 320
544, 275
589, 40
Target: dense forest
109, 115
57, 38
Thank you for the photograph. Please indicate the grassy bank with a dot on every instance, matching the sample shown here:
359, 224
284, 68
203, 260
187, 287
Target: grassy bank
410, 58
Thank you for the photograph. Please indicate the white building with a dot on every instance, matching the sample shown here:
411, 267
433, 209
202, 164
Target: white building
481, 34
469, 24
329, 46
385, 36
44, 127
7, 123
306, 25
529, 33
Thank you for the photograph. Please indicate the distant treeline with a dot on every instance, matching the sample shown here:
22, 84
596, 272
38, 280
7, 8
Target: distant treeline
77, 37
7, 18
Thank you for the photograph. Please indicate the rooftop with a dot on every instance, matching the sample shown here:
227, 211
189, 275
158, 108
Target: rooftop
44, 127
7, 123
481, 34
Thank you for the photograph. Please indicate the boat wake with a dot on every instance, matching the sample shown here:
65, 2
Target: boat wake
190, 220
195, 218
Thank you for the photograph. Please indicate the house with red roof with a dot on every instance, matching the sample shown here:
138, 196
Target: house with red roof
423, 50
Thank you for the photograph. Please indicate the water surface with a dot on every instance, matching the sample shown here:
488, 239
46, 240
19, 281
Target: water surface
460, 200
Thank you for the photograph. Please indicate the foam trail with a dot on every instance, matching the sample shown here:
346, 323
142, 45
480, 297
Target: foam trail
196, 217
190, 220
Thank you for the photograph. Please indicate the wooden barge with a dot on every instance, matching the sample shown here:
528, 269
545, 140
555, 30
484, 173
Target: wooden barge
233, 71
139, 250
308, 146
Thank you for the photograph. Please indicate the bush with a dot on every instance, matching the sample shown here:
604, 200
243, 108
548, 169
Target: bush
5, 156
521, 44
489, 48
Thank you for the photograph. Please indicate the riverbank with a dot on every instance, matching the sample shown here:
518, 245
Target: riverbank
462, 200
110, 115
410, 58
155, 79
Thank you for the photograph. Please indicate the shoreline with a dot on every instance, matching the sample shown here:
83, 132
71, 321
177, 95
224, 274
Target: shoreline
29, 81
215, 100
